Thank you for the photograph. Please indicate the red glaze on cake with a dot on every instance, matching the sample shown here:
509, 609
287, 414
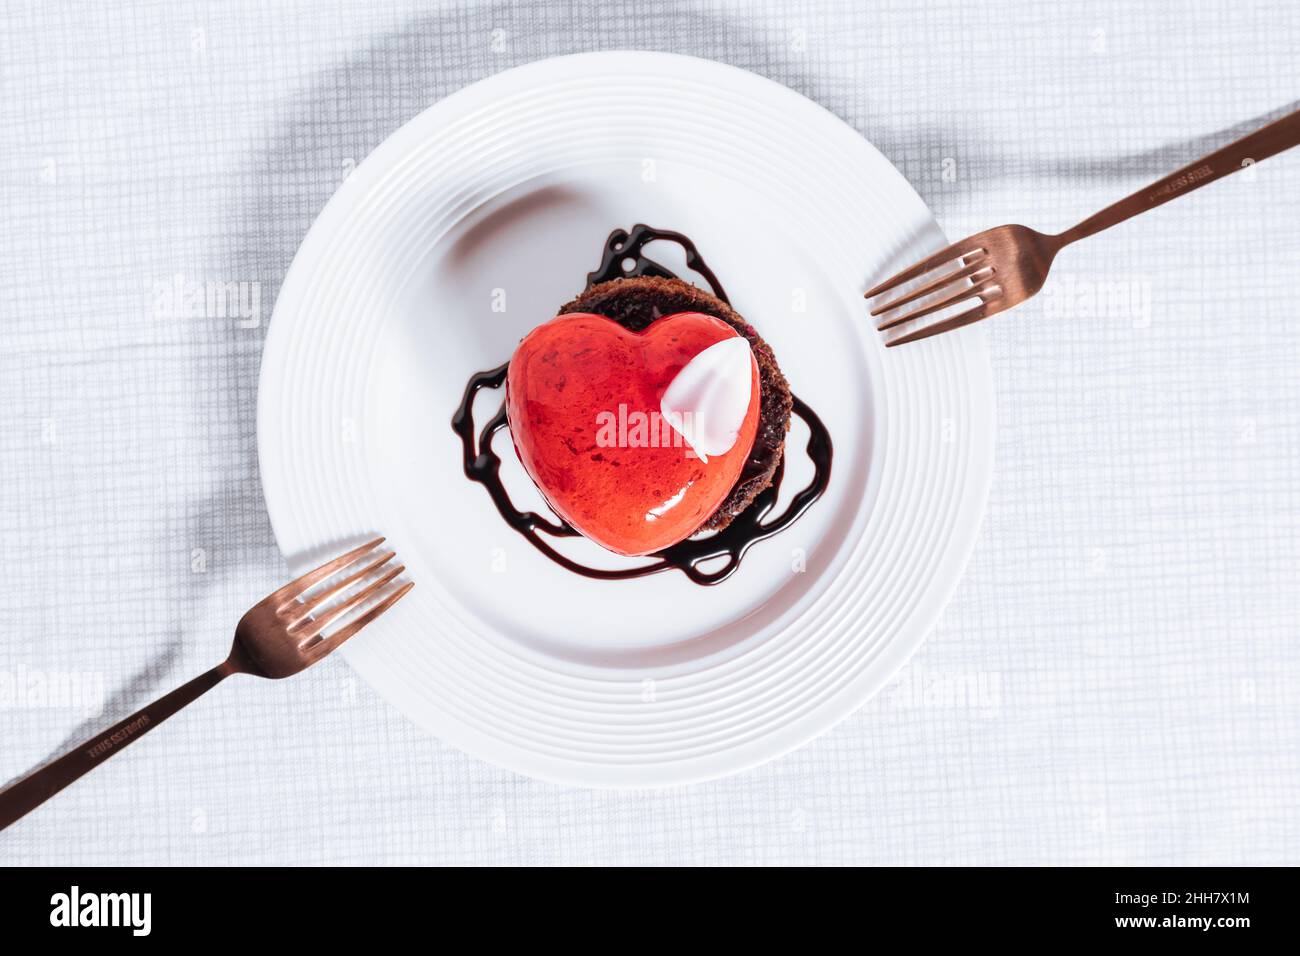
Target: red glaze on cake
577, 391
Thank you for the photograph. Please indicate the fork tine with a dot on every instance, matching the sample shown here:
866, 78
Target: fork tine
947, 325
327, 644
335, 587
298, 585
963, 249
969, 292
970, 272
312, 627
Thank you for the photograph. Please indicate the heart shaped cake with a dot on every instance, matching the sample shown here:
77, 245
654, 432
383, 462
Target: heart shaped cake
642, 430
634, 438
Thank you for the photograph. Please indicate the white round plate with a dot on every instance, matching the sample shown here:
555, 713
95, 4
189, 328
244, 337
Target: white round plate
473, 223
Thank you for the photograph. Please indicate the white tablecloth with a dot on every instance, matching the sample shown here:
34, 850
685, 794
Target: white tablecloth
1115, 680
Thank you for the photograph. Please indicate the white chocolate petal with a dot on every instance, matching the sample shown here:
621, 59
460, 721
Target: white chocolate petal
708, 399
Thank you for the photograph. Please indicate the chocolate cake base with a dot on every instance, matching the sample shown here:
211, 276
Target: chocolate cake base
638, 301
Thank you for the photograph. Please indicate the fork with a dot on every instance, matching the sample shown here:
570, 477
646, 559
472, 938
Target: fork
1004, 266
278, 636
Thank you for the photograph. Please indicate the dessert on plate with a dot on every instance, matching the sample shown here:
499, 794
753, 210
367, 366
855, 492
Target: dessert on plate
651, 416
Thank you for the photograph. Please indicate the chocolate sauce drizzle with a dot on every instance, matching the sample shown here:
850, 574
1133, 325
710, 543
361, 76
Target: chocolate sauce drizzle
754, 524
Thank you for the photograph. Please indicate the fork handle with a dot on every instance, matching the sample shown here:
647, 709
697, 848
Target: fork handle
38, 786
1272, 139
